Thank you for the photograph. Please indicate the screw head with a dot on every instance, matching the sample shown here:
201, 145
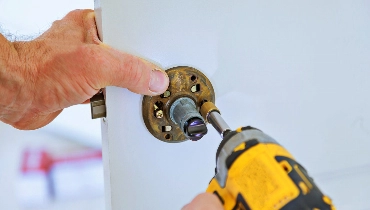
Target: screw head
159, 114
166, 94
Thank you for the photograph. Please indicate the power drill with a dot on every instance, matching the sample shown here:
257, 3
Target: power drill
254, 172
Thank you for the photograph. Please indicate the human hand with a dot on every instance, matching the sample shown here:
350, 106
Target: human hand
204, 201
65, 66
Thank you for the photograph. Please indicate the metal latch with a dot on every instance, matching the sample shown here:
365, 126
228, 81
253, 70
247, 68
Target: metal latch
98, 109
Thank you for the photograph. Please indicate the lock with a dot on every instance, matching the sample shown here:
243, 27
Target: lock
174, 116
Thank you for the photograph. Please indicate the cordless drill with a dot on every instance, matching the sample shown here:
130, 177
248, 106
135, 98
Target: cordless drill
254, 172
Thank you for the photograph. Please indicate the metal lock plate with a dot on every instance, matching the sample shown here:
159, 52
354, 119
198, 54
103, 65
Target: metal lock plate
184, 82
97, 103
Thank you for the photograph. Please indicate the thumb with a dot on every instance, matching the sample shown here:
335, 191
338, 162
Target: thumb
116, 68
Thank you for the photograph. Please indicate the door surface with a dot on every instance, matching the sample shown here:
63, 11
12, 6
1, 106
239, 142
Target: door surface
299, 71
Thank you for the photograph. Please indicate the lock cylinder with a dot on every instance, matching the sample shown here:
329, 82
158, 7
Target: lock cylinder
184, 113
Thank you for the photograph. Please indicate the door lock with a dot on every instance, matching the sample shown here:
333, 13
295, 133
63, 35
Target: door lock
174, 116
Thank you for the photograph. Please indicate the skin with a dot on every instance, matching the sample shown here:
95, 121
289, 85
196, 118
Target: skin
204, 201
65, 66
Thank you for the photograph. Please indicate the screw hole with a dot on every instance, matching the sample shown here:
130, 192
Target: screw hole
193, 78
158, 109
195, 88
167, 136
158, 105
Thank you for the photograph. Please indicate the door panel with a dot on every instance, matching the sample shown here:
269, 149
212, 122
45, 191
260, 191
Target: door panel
298, 71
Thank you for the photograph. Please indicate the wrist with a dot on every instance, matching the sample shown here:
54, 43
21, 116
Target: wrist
6, 85
13, 74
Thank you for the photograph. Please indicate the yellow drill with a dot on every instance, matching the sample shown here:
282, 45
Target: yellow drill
254, 172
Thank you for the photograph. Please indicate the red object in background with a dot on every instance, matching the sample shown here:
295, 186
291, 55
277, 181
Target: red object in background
36, 160
39, 160
78, 175
45, 178
78, 156
34, 184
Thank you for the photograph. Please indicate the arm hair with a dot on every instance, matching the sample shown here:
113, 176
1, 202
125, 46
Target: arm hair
7, 34
16, 37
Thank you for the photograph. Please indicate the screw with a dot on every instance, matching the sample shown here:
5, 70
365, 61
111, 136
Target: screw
159, 114
166, 94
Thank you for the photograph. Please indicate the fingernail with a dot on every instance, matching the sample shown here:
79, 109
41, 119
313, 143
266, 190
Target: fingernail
158, 81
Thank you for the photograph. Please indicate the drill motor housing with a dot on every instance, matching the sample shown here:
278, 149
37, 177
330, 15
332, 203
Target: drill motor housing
255, 172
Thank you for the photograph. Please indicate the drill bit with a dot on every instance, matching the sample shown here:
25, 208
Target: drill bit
211, 113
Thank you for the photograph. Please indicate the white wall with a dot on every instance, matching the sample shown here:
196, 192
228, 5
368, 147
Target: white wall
297, 70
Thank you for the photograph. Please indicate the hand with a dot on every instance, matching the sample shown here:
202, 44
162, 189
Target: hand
204, 201
65, 66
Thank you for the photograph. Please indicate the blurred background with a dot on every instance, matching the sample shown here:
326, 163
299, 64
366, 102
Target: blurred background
58, 166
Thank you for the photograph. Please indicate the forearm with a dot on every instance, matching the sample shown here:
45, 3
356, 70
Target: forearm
65, 66
6, 49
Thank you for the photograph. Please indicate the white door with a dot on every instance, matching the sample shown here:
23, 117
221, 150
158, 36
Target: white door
299, 71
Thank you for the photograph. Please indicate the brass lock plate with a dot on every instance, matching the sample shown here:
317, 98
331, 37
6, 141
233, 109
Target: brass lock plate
184, 82
97, 104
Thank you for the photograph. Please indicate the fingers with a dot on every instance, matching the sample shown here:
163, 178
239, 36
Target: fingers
79, 25
86, 20
204, 201
86, 102
110, 67
78, 15
91, 29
